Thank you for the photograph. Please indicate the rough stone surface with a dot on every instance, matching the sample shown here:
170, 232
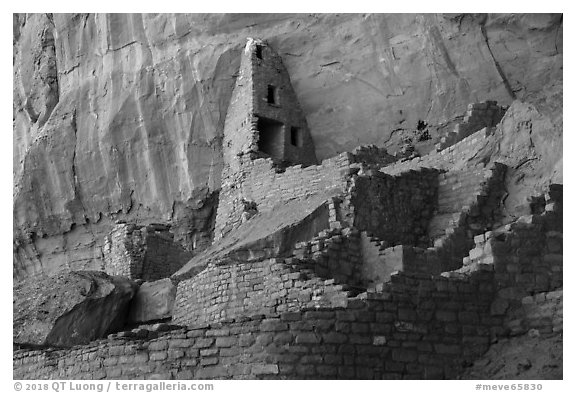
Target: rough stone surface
153, 300
70, 309
385, 262
122, 115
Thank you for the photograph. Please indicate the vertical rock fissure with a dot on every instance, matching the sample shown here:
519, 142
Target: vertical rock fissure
496, 64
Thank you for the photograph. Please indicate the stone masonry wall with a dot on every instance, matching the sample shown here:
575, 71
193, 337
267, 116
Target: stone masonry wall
333, 254
147, 253
417, 326
542, 312
526, 254
261, 184
270, 71
268, 287
259, 68
478, 116
396, 209
482, 214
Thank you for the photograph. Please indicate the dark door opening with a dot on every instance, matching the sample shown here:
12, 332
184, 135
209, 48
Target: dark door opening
259, 51
296, 137
271, 139
272, 95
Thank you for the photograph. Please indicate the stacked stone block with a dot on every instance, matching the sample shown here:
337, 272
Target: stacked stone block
333, 254
541, 313
268, 287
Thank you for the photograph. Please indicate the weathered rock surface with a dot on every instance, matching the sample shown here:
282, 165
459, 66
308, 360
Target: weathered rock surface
153, 300
70, 308
120, 116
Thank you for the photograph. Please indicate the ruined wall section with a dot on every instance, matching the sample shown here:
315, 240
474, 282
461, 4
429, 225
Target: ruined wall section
269, 287
415, 327
526, 254
479, 115
396, 209
260, 184
455, 155
147, 253
418, 328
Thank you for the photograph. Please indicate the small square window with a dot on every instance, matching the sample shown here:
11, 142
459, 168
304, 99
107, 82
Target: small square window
296, 137
271, 97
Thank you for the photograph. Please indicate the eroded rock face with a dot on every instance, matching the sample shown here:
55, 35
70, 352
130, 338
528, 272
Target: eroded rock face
153, 301
70, 308
120, 116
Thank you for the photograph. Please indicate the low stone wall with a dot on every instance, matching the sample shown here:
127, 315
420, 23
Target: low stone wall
419, 328
268, 287
147, 253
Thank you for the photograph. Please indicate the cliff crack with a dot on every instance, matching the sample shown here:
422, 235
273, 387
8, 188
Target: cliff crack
123, 46
496, 64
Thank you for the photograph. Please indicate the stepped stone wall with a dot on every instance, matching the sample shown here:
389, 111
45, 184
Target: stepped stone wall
479, 115
147, 253
446, 159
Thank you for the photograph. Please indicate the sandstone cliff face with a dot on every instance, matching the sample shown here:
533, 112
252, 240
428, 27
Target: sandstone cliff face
121, 116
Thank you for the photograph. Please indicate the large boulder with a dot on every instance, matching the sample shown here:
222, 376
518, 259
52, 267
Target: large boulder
71, 308
153, 301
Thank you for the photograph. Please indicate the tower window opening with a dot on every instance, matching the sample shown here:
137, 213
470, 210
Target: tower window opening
271, 96
259, 51
271, 137
296, 137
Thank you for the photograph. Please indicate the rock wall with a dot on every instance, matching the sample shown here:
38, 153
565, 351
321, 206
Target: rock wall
120, 116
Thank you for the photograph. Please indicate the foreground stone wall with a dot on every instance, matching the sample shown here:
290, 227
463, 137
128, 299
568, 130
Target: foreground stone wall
418, 326
269, 287
391, 336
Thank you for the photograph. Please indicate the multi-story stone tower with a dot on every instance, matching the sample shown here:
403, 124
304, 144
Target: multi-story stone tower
265, 121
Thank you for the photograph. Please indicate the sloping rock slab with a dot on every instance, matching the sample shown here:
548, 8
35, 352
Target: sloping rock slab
153, 301
71, 308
